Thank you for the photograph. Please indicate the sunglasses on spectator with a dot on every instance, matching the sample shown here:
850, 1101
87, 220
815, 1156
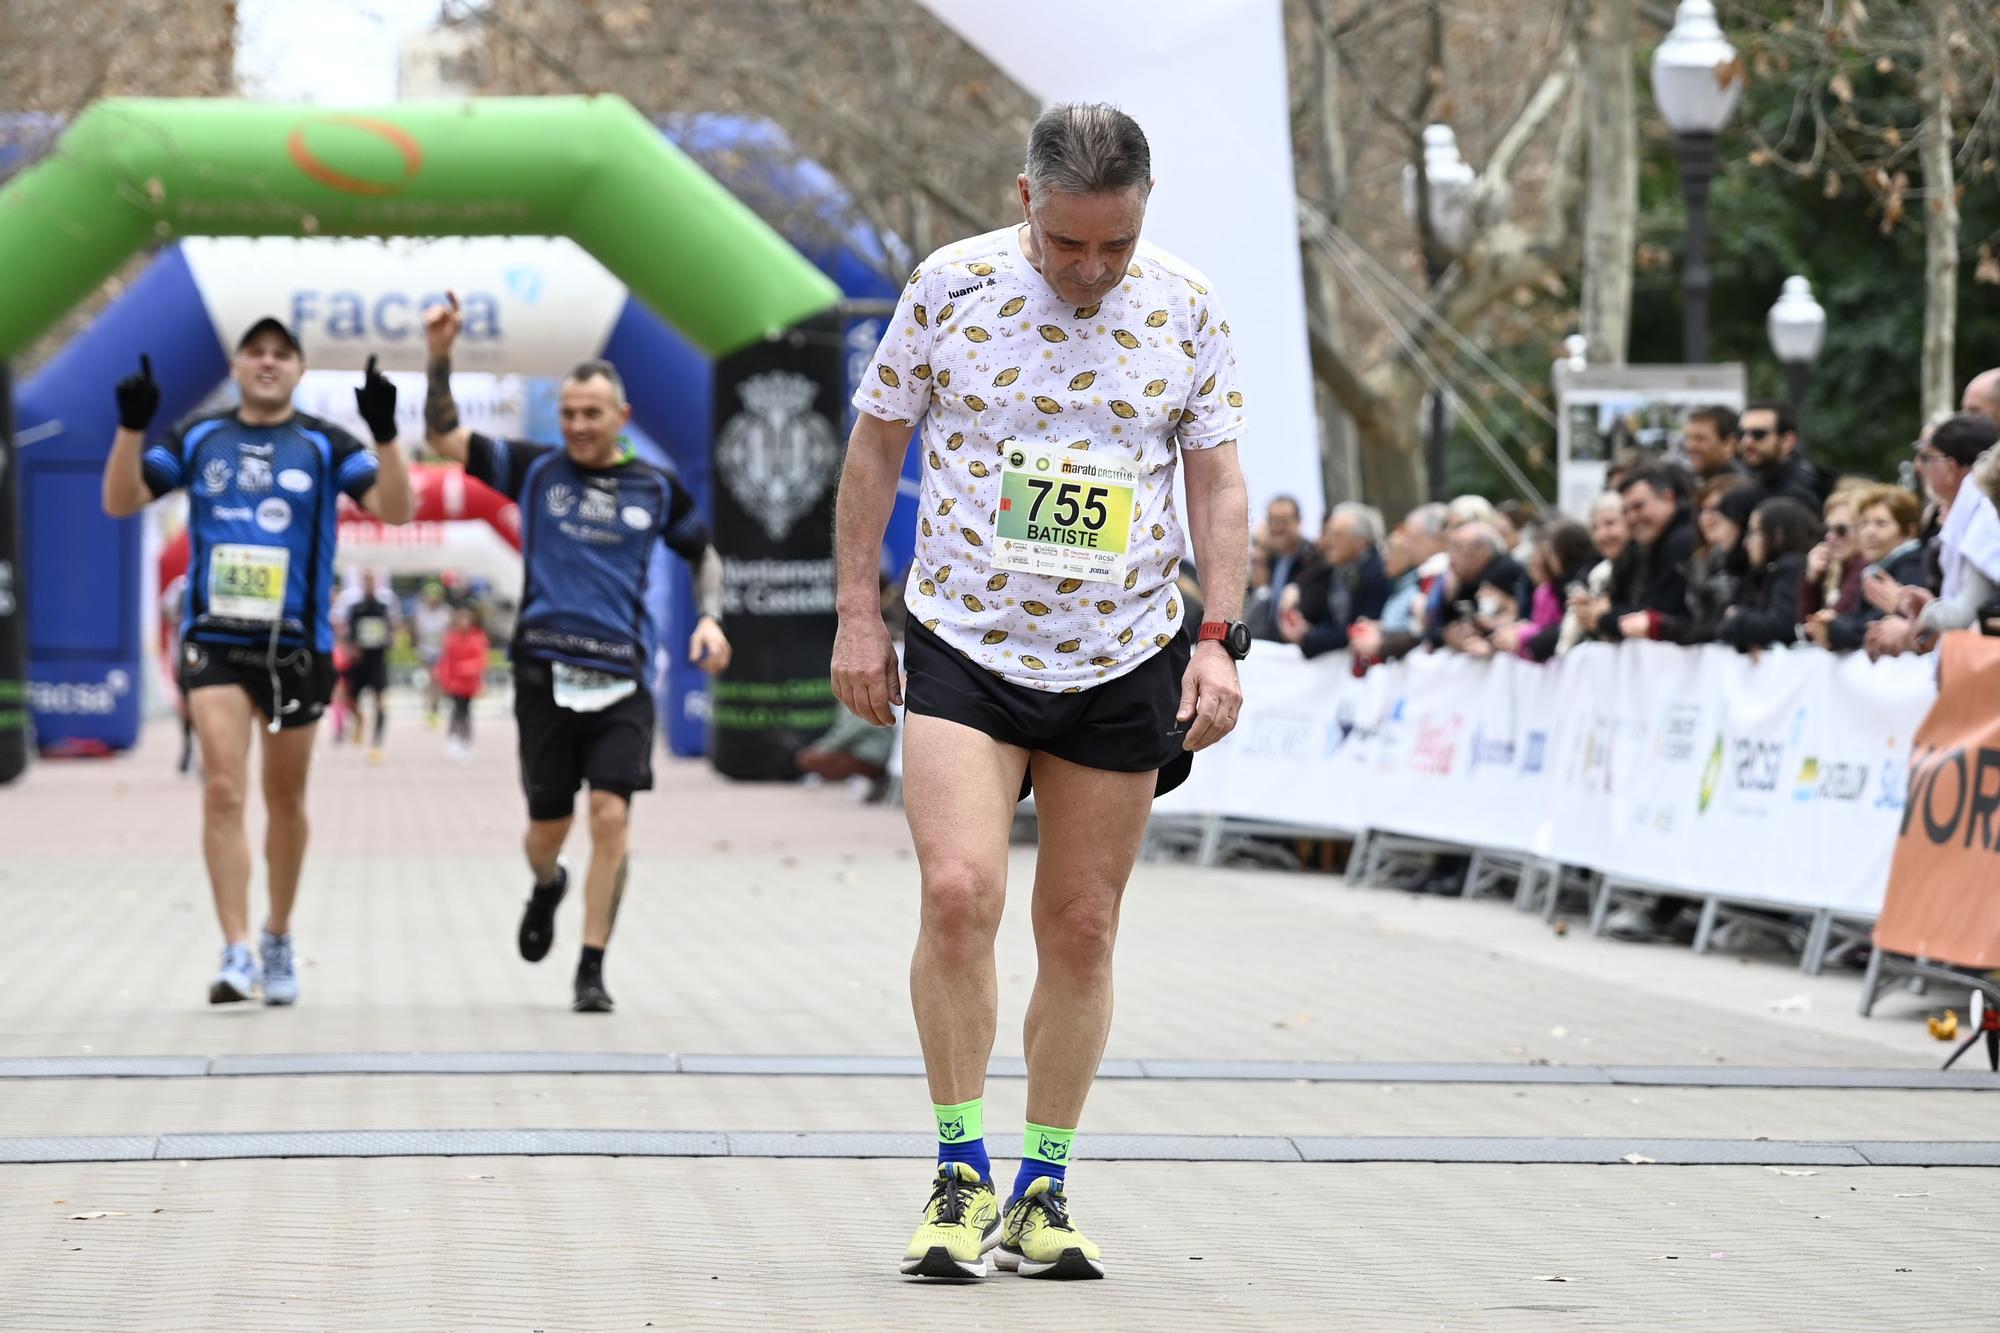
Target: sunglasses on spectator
1757, 433
1837, 529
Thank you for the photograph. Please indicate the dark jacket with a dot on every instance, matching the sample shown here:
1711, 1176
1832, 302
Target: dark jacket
1767, 612
1653, 579
1714, 579
1849, 630
1333, 597
1798, 477
1812, 592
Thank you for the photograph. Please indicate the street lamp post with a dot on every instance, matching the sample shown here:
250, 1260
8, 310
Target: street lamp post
1797, 328
1448, 181
1695, 98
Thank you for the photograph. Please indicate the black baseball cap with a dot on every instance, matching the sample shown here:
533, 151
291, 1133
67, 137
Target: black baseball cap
274, 325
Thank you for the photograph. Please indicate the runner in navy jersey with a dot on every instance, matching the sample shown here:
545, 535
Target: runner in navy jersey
591, 511
263, 481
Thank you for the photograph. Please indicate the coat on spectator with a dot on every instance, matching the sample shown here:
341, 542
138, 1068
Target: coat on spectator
461, 670
1767, 610
1652, 579
1812, 593
1798, 478
1849, 630
1332, 597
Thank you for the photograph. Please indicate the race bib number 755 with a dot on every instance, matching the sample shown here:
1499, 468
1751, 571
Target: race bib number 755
1065, 513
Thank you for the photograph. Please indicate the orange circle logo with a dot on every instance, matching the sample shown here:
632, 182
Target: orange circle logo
314, 166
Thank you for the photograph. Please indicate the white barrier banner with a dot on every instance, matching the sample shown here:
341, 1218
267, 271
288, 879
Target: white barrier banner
1778, 780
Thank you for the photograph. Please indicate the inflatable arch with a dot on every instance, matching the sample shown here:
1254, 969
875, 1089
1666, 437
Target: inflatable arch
590, 168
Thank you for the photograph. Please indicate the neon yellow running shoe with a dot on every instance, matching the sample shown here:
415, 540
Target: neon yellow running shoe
1038, 1240
959, 1226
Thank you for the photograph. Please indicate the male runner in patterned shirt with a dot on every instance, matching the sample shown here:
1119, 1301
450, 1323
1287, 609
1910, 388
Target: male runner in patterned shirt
1061, 368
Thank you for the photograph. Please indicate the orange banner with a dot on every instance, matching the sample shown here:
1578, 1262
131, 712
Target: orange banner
1944, 884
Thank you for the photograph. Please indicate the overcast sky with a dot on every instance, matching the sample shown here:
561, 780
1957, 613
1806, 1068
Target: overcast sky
333, 52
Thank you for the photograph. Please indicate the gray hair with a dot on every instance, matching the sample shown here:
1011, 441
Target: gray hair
595, 369
1429, 519
1367, 520
1087, 148
1470, 509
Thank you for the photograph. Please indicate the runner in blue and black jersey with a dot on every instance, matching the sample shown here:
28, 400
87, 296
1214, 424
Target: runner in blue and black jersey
591, 512
263, 481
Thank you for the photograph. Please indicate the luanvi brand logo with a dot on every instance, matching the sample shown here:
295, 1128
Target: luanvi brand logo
777, 456
967, 291
311, 141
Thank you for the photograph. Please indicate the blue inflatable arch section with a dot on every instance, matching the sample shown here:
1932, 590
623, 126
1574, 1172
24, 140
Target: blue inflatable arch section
82, 573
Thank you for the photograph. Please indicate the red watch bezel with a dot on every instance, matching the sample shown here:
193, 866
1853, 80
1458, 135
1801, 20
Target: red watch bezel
1212, 629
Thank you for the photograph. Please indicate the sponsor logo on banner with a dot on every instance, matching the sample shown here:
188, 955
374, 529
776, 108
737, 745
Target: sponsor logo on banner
1842, 781
777, 456
1280, 736
348, 315
1489, 751
1894, 785
1338, 729
1436, 746
312, 142
1711, 776
80, 698
1680, 725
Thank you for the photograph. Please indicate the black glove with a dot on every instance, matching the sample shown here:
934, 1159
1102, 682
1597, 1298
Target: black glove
376, 401
138, 397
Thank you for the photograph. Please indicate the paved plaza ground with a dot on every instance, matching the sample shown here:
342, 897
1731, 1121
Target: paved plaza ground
732, 1148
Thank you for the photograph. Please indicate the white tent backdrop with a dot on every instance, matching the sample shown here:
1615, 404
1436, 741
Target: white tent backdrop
1206, 80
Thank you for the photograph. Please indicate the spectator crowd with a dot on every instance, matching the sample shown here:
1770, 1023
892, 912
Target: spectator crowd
1742, 540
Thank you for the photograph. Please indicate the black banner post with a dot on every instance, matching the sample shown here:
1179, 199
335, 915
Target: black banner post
13, 626
777, 460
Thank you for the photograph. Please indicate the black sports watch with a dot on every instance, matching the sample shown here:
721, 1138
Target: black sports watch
1233, 635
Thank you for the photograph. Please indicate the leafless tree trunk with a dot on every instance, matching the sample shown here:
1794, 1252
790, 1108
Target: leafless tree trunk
1385, 399
1340, 477
1611, 190
1940, 214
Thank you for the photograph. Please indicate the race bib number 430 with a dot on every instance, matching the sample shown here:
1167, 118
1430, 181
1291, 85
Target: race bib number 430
1064, 513
247, 582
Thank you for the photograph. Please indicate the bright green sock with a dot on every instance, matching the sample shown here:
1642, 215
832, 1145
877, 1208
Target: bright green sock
961, 1132
1045, 1151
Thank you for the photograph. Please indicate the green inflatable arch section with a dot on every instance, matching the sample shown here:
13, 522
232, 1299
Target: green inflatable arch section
137, 172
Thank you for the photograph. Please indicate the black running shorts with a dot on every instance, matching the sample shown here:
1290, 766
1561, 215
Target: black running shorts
1125, 725
561, 749
302, 689
369, 672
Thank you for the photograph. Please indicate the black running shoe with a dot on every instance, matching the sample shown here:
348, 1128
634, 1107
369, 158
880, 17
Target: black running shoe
538, 919
591, 997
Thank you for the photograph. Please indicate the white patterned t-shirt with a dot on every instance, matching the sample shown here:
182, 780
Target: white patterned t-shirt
985, 354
